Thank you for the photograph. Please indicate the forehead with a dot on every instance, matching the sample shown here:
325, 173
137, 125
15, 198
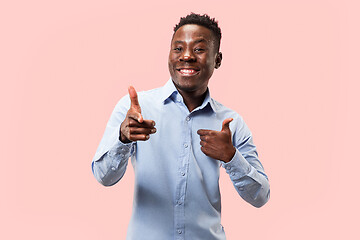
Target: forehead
192, 32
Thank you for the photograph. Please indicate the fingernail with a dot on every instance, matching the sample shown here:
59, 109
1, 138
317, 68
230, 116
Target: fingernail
153, 130
147, 137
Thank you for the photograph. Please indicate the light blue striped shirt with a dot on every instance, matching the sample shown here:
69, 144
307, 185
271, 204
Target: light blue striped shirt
176, 193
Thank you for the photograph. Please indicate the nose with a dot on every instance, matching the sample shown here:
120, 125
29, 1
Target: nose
187, 56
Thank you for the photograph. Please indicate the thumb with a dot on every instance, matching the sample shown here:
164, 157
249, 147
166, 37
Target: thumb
134, 99
225, 124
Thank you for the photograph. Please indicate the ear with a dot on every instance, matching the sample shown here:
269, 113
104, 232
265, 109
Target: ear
218, 60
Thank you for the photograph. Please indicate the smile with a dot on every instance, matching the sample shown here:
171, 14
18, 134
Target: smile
187, 71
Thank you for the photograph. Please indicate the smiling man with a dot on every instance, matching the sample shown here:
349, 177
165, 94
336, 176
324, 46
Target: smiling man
178, 137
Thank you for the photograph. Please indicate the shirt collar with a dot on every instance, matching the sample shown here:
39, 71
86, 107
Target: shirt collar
169, 92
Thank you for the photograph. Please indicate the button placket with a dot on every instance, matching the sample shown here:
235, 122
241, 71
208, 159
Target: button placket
183, 168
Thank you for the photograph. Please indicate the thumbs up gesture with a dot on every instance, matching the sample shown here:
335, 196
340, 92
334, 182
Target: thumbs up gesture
134, 127
218, 145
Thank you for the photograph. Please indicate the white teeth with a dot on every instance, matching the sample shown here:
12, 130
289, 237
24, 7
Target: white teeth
187, 71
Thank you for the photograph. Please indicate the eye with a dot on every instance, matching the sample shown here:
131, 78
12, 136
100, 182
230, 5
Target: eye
199, 50
177, 49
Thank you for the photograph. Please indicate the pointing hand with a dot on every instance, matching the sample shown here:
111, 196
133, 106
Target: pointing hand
218, 145
134, 127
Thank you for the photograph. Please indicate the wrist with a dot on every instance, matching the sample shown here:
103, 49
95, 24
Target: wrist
123, 139
229, 155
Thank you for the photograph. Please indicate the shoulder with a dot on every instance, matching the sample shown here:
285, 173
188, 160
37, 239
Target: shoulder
238, 125
150, 100
224, 111
150, 95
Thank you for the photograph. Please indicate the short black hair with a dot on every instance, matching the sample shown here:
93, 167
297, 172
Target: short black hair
202, 20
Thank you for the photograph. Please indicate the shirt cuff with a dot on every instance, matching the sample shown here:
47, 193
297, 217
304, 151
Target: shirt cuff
237, 167
122, 149
119, 148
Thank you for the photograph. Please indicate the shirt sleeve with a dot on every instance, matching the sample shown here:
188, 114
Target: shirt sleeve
111, 158
245, 170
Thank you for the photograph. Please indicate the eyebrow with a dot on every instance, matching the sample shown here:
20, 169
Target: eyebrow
196, 41
200, 40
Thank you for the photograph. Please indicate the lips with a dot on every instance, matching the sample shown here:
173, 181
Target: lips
187, 71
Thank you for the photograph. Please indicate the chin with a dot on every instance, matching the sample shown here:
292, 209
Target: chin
187, 85
184, 85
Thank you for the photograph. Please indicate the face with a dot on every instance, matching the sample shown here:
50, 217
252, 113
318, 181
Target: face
192, 59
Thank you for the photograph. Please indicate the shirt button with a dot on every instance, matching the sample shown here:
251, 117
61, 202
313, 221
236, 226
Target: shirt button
185, 145
182, 174
122, 155
241, 188
187, 118
232, 174
228, 167
179, 231
179, 202
113, 168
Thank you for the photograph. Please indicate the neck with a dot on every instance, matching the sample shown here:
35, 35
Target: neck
193, 100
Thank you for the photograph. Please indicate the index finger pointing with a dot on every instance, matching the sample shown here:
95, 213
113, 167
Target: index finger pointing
134, 98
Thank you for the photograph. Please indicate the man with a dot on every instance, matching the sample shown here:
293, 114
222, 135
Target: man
176, 161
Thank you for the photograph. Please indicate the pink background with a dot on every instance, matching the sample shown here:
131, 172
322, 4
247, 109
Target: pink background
290, 68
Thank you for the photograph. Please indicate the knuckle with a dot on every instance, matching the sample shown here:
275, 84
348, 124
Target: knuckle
131, 122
